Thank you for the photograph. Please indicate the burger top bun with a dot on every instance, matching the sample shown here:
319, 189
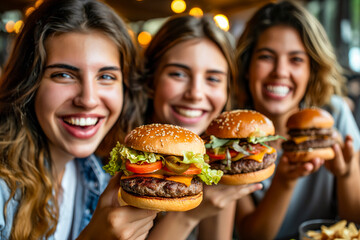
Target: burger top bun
164, 139
310, 118
241, 124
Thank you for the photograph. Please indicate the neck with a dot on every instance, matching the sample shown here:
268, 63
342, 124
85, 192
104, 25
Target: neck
59, 160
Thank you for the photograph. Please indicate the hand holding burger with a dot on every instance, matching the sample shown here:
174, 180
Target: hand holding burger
237, 146
311, 135
163, 168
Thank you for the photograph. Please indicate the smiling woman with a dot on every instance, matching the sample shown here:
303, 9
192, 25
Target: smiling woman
69, 81
189, 69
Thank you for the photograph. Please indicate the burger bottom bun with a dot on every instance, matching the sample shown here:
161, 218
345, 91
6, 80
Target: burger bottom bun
304, 156
247, 178
159, 203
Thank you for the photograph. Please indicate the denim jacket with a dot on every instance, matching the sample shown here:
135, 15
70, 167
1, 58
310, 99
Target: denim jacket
91, 182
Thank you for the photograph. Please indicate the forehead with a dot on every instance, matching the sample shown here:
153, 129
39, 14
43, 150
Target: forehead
199, 52
281, 37
81, 48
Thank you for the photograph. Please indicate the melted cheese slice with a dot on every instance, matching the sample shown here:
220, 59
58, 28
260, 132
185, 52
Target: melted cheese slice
301, 139
259, 157
180, 179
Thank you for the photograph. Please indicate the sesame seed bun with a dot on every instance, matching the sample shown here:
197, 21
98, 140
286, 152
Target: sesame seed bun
164, 139
241, 124
310, 118
248, 178
159, 203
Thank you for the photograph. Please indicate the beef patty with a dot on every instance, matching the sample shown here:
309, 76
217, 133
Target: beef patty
155, 187
244, 165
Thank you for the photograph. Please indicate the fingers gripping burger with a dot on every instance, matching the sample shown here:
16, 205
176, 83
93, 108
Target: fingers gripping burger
310, 133
237, 145
163, 168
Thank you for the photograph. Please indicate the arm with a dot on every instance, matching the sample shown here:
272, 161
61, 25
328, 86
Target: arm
265, 220
345, 167
178, 225
220, 226
111, 221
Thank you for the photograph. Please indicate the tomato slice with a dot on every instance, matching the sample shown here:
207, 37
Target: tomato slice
144, 167
222, 156
193, 170
256, 148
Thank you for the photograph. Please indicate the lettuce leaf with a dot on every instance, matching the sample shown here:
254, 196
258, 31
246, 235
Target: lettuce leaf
120, 153
207, 175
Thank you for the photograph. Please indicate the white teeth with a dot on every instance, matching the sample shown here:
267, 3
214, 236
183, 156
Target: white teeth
278, 90
189, 113
83, 122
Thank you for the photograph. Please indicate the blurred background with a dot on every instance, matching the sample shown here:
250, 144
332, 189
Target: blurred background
341, 19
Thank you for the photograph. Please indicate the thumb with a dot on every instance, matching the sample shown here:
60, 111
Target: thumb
109, 198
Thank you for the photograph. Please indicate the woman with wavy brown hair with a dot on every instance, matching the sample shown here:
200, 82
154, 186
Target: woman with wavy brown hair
69, 79
286, 63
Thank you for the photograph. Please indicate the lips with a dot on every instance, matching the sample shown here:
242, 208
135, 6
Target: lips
82, 127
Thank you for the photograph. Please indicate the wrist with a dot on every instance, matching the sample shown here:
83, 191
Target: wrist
285, 182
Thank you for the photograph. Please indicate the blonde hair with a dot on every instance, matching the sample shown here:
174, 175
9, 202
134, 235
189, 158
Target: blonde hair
25, 161
326, 76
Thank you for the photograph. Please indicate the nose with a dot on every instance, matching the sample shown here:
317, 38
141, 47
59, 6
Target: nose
281, 68
87, 96
195, 89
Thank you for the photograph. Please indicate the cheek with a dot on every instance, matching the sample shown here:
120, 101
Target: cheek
113, 100
166, 90
218, 97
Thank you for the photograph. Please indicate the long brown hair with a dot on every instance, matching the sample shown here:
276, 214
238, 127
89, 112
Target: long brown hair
25, 161
179, 29
325, 75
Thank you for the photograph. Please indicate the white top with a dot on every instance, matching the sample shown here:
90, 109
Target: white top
66, 211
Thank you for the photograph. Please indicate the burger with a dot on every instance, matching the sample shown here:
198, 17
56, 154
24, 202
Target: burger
237, 144
163, 168
310, 132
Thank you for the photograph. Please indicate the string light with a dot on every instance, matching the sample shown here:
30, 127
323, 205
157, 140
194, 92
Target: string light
144, 38
178, 6
196, 12
222, 22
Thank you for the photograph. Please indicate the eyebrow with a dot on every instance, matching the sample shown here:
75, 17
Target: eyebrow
188, 68
273, 52
72, 68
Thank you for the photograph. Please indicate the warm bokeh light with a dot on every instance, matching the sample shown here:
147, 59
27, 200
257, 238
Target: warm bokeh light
18, 26
9, 26
144, 38
29, 11
196, 12
178, 6
222, 21
38, 3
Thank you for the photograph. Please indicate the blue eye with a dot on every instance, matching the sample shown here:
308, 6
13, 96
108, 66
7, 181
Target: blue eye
107, 77
60, 75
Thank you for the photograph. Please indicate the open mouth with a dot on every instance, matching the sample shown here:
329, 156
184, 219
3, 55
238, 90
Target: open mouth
189, 113
81, 121
278, 90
